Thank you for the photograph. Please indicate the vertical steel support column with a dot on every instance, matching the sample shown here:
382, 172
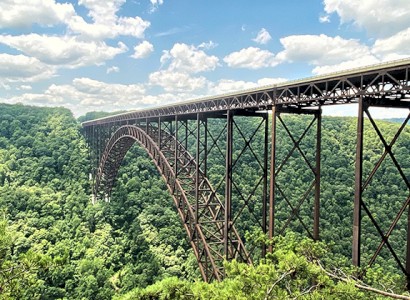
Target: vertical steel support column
316, 213
358, 188
408, 250
159, 133
186, 134
272, 178
99, 134
197, 194
265, 180
228, 182
176, 147
205, 162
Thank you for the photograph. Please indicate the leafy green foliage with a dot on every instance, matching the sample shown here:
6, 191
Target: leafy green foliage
292, 271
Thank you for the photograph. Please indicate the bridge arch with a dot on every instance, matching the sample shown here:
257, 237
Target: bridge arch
206, 236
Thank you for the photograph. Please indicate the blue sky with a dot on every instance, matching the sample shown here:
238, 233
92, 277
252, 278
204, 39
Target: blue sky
113, 55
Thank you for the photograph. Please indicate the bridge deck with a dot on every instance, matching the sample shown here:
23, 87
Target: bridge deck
388, 82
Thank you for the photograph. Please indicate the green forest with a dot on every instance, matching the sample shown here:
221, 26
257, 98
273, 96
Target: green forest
55, 244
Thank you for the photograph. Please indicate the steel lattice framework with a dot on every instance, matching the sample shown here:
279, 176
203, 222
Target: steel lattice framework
180, 139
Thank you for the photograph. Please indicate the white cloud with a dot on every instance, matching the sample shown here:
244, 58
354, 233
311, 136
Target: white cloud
85, 94
113, 69
251, 58
22, 13
108, 91
331, 54
378, 17
106, 23
270, 81
6, 87
143, 50
99, 31
394, 47
321, 49
227, 85
25, 87
102, 11
63, 51
132, 26
345, 65
21, 68
208, 46
263, 37
324, 19
172, 81
155, 4
188, 59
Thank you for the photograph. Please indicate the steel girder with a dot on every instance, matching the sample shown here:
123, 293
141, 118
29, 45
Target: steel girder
200, 209
389, 80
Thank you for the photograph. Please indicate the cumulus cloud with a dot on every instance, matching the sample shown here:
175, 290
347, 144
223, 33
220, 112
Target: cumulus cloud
263, 37
179, 64
155, 4
63, 51
189, 59
108, 91
25, 87
378, 17
393, 47
106, 23
321, 49
251, 58
113, 69
21, 68
227, 85
208, 45
172, 81
86, 94
21, 13
143, 50
324, 19
345, 65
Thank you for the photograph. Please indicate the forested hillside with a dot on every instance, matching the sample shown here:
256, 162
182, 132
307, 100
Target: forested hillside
54, 244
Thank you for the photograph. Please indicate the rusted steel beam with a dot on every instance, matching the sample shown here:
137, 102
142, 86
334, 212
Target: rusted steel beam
265, 180
228, 183
272, 179
316, 211
408, 249
357, 208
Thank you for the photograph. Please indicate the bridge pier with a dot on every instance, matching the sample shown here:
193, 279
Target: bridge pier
363, 183
276, 191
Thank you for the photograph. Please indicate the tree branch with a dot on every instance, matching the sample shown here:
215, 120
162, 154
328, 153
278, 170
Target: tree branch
364, 287
277, 281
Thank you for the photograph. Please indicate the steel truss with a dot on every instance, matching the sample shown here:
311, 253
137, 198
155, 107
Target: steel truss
362, 183
389, 79
286, 196
203, 214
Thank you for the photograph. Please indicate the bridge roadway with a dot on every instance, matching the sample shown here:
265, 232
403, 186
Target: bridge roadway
167, 133
389, 80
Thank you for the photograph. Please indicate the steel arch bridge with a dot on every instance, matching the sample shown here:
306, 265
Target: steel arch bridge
180, 140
